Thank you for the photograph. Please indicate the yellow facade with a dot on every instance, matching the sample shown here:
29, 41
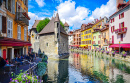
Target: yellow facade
9, 15
86, 37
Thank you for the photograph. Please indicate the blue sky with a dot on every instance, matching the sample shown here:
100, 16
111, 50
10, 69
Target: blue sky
75, 12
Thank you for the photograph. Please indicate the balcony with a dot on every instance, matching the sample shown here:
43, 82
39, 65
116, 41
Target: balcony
121, 31
22, 18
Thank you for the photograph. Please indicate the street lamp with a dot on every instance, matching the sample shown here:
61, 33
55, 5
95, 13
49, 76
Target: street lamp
119, 47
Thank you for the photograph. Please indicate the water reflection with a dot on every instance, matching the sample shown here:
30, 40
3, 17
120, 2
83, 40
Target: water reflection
87, 69
57, 71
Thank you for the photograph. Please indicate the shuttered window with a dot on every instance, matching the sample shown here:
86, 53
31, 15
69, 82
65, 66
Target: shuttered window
3, 24
25, 33
19, 32
9, 28
0, 23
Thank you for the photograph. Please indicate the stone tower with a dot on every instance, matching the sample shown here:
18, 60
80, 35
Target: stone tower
57, 28
66, 27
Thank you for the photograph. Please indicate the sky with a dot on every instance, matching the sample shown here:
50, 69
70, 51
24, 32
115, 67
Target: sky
74, 12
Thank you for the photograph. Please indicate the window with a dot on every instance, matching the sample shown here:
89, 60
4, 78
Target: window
19, 32
57, 25
25, 33
9, 28
112, 29
0, 23
98, 42
121, 37
121, 15
9, 5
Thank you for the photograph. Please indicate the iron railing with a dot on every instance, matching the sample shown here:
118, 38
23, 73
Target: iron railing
21, 18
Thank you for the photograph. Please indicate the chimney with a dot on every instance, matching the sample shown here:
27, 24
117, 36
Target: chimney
119, 2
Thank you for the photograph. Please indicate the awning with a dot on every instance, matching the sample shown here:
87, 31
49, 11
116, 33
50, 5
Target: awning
121, 45
13, 42
95, 45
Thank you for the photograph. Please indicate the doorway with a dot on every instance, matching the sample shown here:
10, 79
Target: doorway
9, 53
4, 53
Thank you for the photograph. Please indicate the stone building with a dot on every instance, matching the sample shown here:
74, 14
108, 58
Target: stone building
53, 38
66, 27
34, 37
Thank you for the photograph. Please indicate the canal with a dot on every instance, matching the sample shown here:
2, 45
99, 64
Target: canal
81, 68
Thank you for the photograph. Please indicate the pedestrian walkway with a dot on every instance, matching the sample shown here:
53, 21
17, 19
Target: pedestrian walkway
5, 78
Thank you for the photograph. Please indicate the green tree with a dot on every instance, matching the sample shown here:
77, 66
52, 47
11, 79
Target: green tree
42, 24
61, 23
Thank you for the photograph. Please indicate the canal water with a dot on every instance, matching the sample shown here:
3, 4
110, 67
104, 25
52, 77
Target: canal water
81, 68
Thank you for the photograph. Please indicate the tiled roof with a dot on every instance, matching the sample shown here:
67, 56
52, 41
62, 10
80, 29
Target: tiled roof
57, 18
49, 28
35, 24
66, 24
128, 3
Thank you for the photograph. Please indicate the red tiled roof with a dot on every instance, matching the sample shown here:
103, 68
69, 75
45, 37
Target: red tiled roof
128, 3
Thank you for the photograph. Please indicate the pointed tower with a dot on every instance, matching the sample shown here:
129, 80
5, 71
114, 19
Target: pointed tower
66, 27
57, 28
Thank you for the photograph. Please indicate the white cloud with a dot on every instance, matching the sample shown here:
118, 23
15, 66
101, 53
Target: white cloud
76, 16
33, 17
41, 3
105, 10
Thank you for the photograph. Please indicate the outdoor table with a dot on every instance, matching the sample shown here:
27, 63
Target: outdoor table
9, 65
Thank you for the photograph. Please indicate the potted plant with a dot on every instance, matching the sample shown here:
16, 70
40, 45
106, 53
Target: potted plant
113, 53
107, 52
41, 55
124, 54
103, 51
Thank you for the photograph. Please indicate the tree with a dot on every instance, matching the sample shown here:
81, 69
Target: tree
62, 24
42, 24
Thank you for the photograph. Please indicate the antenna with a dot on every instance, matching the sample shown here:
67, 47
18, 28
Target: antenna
57, 8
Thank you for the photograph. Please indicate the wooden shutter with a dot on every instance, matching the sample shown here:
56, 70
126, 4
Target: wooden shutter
111, 29
123, 14
16, 6
11, 30
123, 24
27, 3
119, 16
112, 39
3, 24
13, 6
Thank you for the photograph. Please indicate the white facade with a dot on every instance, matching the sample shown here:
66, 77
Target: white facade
126, 20
70, 39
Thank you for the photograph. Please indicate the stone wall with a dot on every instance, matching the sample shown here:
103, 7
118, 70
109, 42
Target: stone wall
34, 41
63, 45
52, 48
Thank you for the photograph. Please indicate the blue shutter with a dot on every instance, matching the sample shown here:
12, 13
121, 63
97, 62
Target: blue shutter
13, 6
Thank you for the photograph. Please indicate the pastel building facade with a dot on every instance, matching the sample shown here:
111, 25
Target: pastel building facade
96, 36
77, 37
14, 22
86, 35
119, 27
